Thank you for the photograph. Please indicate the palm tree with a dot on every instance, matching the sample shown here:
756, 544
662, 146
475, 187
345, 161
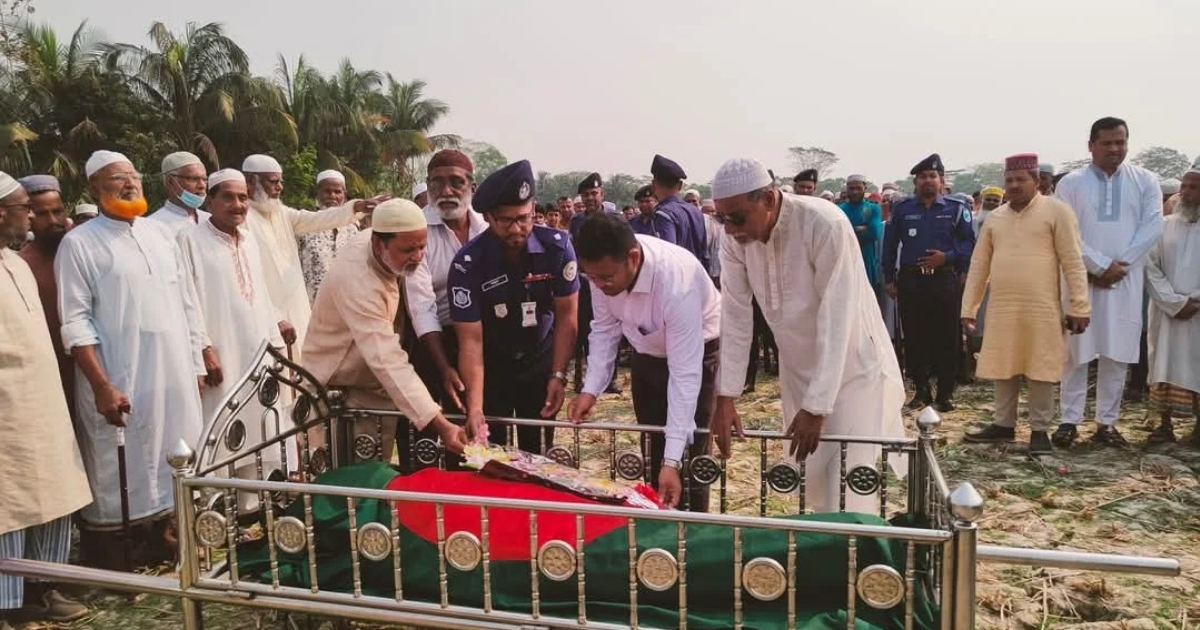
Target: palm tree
195, 81
406, 120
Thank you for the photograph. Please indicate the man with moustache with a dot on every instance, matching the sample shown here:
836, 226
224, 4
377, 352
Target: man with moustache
806, 182
1046, 178
185, 180
352, 342
132, 328
650, 221
317, 249
275, 227
48, 223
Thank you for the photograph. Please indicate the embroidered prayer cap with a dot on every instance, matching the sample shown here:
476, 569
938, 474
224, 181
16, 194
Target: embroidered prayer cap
259, 163
1046, 167
856, 178
420, 189
992, 191
666, 170
178, 160
451, 157
225, 175
85, 210
512, 185
397, 215
8, 185
1021, 162
1170, 186
739, 176
807, 175
330, 174
589, 182
645, 192
101, 159
931, 163
36, 184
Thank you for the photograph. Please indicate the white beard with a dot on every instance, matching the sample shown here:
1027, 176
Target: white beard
1191, 212
458, 212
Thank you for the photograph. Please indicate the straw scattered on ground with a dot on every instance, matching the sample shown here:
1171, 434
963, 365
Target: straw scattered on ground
1144, 501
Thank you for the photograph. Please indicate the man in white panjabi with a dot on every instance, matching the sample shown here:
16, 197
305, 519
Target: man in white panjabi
275, 227
1173, 333
800, 259
222, 266
1119, 209
131, 325
185, 181
317, 249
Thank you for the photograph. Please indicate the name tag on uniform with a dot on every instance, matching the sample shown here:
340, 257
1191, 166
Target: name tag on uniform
529, 314
495, 282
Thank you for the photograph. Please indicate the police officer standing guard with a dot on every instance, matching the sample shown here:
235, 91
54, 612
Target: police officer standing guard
513, 299
668, 181
936, 240
591, 190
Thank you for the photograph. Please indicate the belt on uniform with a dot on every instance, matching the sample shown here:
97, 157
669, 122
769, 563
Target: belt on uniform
924, 271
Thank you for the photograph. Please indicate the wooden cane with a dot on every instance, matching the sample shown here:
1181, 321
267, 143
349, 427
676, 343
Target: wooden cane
123, 476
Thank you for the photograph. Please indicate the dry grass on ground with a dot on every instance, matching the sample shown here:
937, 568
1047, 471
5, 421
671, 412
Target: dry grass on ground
1142, 501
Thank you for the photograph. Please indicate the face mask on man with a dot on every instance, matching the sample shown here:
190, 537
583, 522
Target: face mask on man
191, 199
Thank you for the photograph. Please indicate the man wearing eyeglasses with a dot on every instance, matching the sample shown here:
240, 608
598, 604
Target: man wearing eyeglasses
514, 301
186, 182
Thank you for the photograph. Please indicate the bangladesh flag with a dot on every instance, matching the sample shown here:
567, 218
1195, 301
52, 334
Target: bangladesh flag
821, 559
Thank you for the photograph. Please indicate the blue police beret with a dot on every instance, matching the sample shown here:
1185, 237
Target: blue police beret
933, 162
666, 170
590, 182
509, 186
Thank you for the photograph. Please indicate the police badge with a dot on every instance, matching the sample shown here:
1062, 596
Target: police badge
501, 310
523, 193
462, 297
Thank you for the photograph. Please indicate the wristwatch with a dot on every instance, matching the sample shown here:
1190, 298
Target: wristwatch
560, 375
672, 463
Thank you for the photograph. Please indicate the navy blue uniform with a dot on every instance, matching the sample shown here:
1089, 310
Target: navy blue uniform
515, 304
659, 225
929, 302
690, 224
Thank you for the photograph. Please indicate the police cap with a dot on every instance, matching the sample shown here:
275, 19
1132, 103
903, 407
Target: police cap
931, 163
807, 175
665, 170
509, 186
645, 192
589, 182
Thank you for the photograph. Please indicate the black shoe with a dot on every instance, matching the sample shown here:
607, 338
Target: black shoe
1109, 436
1039, 443
920, 399
1164, 434
991, 434
612, 389
1065, 435
944, 406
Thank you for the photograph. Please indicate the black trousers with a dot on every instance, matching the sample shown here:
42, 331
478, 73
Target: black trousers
929, 309
649, 377
518, 394
1139, 373
427, 370
763, 338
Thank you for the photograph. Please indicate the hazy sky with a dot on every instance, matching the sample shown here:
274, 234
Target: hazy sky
604, 85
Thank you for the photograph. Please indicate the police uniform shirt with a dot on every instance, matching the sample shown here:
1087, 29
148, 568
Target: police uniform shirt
659, 225
945, 226
690, 223
514, 303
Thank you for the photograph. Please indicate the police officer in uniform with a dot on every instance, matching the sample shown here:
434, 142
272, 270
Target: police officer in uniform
667, 182
805, 182
650, 221
591, 190
932, 237
513, 298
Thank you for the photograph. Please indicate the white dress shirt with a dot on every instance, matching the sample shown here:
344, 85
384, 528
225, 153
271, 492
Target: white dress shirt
428, 306
662, 315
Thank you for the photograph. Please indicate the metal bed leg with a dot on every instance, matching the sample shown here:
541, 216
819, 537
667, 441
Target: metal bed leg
181, 458
966, 505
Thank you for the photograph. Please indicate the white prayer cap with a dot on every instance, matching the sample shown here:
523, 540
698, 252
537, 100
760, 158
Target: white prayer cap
738, 177
1170, 186
856, 178
85, 209
1195, 166
225, 175
787, 188
259, 163
691, 191
828, 194
330, 174
707, 203
397, 215
100, 159
420, 189
178, 160
8, 185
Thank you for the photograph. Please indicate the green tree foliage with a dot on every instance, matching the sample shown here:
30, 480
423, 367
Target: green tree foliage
299, 175
1165, 162
487, 158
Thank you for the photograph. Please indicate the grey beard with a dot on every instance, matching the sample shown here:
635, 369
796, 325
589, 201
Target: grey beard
1189, 211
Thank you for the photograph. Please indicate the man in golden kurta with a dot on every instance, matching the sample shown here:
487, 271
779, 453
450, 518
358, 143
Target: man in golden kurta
1024, 249
42, 479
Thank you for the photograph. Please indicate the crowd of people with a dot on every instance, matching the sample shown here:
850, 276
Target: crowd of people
127, 328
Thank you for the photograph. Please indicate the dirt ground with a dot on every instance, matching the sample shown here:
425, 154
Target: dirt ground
1143, 501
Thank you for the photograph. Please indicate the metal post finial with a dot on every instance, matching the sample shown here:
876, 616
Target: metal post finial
181, 456
929, 420
966, 504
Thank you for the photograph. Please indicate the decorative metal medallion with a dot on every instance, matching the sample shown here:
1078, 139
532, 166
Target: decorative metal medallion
561, 455
657, 569
630, 466
426, 451
300, 409
863, 480
374, 541
705, 470
365, 447
290, 535
268, 392
210, 529
463, 551
881, 586
783, 477
764, 579
235, 435
556, 560
318, 461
